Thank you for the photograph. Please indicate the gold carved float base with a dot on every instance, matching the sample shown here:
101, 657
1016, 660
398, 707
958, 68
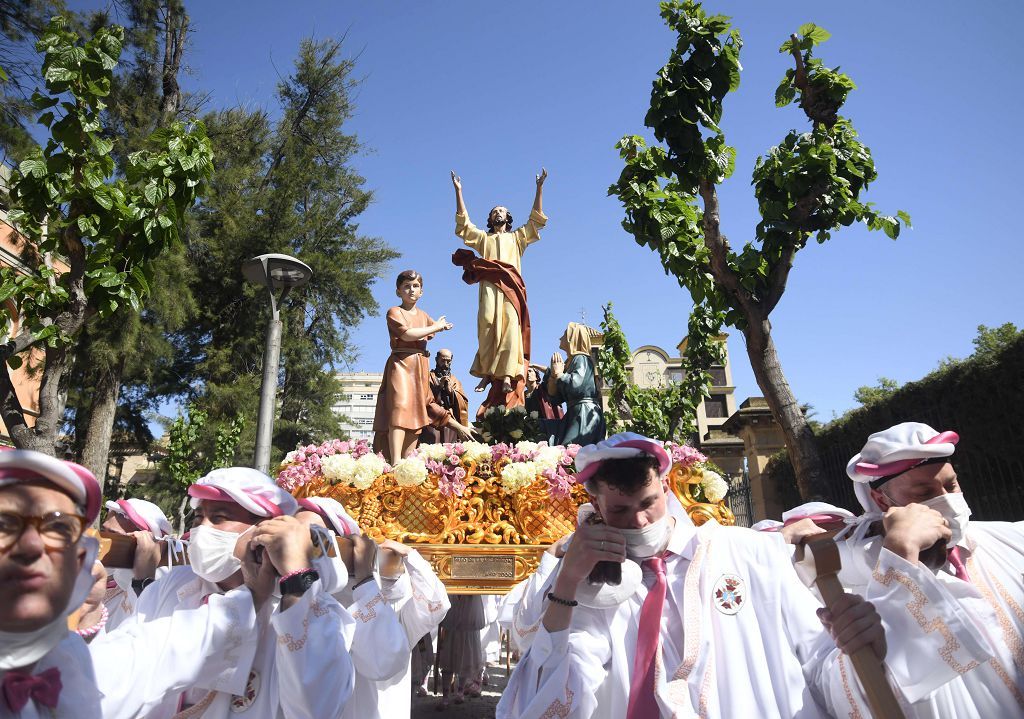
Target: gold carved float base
487, 540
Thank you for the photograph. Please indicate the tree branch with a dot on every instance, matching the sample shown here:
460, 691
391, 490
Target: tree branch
12, 412
719, 246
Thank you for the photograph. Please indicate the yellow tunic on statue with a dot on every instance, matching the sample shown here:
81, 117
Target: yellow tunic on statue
499, 336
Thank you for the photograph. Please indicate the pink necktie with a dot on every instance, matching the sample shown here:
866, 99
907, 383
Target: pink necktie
44, 688
958, 564
642, 702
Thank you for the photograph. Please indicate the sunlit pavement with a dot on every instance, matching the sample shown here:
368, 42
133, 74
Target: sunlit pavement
481, 707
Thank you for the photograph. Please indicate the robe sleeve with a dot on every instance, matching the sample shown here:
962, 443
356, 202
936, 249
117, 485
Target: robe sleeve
931, 638
529, 611
530, 232
142, 663
428, 601
472, 235
314, 669
379, 647
570, 383
560, 673
396, 323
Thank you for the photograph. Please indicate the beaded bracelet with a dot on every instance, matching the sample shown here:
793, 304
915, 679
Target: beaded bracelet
563, 602
295, 573
95, 628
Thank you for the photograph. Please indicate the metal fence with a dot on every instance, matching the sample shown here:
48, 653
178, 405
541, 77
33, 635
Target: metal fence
738, 498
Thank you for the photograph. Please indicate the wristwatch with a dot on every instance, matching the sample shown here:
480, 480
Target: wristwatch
299, 582
139, 584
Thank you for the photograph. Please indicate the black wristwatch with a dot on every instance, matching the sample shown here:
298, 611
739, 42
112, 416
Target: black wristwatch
298, 583
139, 584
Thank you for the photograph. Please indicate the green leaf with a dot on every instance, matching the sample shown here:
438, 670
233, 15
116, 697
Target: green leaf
905, 217
814, 33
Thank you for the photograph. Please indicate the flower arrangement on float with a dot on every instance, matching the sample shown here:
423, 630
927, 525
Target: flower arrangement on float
696, 470
512, 466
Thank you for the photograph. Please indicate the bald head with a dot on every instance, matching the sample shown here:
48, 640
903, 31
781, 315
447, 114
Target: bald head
443, 359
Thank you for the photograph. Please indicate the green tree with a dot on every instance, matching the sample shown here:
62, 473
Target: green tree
283, 187
991, 341
807, 186
21, 21
869, 395
108, 230
184, 465
128, 353
666, 412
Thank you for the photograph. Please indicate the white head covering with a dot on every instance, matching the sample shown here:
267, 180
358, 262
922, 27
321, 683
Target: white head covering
145, 515
894, 451
247, 487
619, 446
333, 512
19, 465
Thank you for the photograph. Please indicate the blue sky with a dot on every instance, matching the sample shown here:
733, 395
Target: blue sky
496, 90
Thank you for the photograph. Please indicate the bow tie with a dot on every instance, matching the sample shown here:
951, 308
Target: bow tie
44, 688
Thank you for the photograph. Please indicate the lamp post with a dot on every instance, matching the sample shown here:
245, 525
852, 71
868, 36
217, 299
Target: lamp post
275, 272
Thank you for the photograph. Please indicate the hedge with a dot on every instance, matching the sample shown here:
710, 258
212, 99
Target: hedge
981, 398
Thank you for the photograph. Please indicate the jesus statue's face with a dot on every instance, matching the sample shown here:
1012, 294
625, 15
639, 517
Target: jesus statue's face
499, 218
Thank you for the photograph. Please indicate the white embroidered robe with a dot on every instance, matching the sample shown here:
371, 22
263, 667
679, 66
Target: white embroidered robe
767, 656
390, 619
291, 664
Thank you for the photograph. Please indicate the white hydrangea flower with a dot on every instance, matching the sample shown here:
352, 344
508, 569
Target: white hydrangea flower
436, 452
548, 457
338, 468
410, 472
476, 452
526, 447
368, 468
715, 488
288, 458
517, 475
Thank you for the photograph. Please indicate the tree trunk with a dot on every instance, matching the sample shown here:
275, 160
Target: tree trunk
803, 450
102, 411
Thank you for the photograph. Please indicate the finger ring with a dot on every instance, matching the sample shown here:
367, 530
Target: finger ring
602, 545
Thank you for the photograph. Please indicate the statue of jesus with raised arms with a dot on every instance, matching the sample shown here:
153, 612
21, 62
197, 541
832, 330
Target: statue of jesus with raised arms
502, 325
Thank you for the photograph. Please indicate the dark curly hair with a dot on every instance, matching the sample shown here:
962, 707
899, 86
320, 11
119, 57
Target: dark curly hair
627, 475
408, 276
508, 222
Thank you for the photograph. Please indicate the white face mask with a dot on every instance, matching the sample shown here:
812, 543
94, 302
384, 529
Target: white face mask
954, 509
648, 541
211, 552
332, 570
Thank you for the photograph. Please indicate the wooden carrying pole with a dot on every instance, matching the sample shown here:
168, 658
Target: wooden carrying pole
117, 551
870, 670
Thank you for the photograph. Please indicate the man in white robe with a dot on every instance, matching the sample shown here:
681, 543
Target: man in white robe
282, 650
45, 574
962, 615
737, 634
392, 610
147, 523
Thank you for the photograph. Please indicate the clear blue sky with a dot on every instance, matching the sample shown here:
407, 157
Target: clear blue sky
495, 90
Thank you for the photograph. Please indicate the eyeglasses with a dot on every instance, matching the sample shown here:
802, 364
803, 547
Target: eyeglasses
57, 529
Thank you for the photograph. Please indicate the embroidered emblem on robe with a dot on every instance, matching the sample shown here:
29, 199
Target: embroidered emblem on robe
730, 594
252, 689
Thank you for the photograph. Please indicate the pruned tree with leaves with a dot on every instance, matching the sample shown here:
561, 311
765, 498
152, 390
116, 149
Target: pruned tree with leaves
668, 412
76, 211
807, 186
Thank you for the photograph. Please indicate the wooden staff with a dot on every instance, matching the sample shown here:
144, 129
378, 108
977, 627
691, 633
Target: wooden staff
825, 563
117, 551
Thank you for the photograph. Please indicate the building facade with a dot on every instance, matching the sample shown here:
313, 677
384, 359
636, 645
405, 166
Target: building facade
358, 402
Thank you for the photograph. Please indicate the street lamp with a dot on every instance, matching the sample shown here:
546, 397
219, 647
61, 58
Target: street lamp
275, 272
